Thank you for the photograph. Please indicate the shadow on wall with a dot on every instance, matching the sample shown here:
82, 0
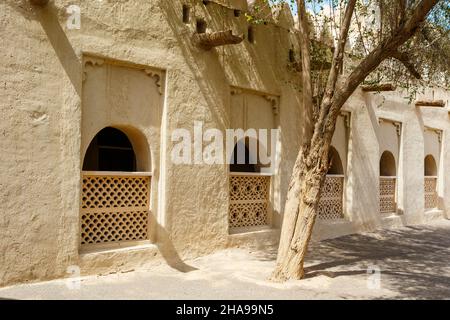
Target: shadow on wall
244, 64
211, 67
167, 249
48, 18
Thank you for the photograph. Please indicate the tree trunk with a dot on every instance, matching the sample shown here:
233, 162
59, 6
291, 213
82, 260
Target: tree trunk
301, 210
312, 162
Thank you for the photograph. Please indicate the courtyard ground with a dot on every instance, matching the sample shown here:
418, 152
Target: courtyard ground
414, 263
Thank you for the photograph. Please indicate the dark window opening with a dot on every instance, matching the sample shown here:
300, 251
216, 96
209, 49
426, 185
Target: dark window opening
201, 26
110, 150
335, 162
430, 166
251, 162
291, 55
388, 166
250, 35
186, 13
237, 13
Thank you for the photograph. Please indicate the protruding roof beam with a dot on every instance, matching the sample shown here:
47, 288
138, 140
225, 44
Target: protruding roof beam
430, 103
39, 2
379, 87
207, 41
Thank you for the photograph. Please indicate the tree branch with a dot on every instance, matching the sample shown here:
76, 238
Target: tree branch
404, 58
402, 14
339, 52
384, 50
307, 93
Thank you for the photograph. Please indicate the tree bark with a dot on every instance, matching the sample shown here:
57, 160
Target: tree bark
403, 57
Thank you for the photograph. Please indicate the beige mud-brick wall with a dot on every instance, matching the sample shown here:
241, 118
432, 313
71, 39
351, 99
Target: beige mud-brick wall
40, 147
42, 126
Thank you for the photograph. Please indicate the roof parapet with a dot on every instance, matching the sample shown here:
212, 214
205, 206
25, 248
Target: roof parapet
233, 4
261, 9
282, 16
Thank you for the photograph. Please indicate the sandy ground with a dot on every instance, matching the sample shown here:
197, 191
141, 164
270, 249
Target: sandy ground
414, 263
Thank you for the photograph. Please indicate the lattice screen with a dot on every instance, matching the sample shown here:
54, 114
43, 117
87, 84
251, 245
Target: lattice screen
387, 195
431, 196
114, 208
249, 199
331, 201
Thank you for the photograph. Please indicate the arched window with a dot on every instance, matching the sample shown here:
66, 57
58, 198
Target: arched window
331, 206
430, 166
388, 168
249, 160
249, 187
388, 183
335, 161
115, 196
110, 150
430, 185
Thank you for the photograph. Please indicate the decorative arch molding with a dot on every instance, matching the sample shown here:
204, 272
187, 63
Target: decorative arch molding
273, 99
93, 61
438, 132
397, 124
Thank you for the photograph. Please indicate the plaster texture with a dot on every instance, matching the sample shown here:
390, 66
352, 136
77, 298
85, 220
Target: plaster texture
132, 65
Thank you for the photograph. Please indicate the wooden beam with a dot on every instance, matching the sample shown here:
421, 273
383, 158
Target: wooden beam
430, 103
379, 87
207, 41
39, 2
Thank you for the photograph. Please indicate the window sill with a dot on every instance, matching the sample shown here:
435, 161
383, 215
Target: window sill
116, 247
250, 230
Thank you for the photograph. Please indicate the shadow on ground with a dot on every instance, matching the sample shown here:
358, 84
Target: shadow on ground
414, 261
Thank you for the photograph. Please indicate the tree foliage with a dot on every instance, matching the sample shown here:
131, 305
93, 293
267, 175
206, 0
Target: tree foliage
425, 59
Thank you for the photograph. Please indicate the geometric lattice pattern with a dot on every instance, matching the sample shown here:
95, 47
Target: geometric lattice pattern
113, 226
114, 208
249, 199
387, 194
431, 196
331, 200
